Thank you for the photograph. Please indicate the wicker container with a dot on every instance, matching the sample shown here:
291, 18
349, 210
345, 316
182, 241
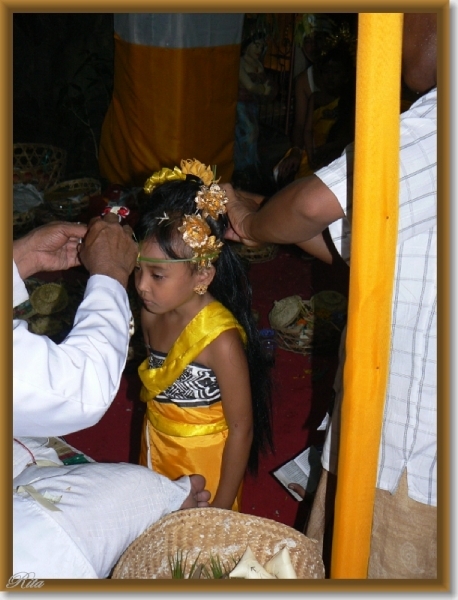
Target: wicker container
68, 199
305, 326
23, 222
49, 298
39, 164
257, 254
201, 533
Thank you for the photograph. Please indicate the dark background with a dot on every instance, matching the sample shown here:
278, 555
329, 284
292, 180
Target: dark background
62, 83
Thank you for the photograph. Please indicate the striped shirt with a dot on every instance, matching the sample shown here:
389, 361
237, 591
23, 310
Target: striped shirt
409, 433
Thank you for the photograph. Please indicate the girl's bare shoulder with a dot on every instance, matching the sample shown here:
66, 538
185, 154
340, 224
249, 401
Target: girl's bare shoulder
226, 349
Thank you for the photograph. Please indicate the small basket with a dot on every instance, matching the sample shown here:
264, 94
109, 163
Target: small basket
201, 533
306, 326
68, 199
257, 254
23, 222
49, 298
39, 164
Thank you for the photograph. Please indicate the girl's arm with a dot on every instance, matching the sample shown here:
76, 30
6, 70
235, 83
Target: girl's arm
228, 360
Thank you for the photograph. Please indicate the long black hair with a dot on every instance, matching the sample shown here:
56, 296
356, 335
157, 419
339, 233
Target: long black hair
230, 286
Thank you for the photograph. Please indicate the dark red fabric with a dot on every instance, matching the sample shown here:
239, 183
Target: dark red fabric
301, 395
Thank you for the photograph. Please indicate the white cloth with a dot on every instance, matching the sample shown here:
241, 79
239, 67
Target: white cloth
409, 434
63, 388
103, 508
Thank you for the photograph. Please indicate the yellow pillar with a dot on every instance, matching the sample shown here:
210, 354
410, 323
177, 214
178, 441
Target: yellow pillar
373, 252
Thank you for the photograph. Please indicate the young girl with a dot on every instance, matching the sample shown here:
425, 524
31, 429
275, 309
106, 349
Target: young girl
205, 381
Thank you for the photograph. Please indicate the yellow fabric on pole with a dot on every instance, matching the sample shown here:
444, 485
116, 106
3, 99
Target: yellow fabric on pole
373, 253
169, 104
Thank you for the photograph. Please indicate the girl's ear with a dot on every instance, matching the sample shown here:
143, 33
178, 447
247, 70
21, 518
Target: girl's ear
205, 276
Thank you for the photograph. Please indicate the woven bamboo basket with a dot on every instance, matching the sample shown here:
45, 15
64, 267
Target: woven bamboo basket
68, 199
39, 164
23, 221
257, 254
306, 326
201, 533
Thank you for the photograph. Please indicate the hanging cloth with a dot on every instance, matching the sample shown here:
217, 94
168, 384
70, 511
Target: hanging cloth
174, 96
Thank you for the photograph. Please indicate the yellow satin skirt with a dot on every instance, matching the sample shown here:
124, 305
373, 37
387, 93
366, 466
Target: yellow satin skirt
188, 454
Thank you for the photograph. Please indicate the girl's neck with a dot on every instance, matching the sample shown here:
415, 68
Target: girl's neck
167, 327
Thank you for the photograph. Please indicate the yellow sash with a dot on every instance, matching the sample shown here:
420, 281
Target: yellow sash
171, 427
206, 326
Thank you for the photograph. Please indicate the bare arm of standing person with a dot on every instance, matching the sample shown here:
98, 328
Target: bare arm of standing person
297, 213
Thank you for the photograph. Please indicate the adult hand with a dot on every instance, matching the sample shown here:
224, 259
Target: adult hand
198, 496
109, 249
51, 247
240, 205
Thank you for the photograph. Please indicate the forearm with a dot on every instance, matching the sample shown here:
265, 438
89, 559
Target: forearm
317, 247
233, 467
295, 214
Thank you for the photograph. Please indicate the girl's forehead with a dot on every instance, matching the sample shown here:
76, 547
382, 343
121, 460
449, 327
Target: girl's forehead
151, 249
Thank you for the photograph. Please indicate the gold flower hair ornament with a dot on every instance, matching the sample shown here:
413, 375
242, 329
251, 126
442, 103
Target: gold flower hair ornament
197, 235
194, 167
188, 167
210, 201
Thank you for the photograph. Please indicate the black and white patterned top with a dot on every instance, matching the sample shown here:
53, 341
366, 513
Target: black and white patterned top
409, 434
196, 387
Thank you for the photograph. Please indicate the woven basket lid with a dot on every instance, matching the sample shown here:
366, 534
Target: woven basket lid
49, 298
46, 326
329, 300
285, 311
201, 533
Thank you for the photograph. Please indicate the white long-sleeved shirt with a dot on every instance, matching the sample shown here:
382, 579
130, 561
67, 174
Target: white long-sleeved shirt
57, 389
62, 388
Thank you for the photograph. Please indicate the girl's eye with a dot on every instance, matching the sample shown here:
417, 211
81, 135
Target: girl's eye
155, 276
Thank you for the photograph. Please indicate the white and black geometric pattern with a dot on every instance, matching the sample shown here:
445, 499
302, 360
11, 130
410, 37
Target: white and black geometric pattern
195, 387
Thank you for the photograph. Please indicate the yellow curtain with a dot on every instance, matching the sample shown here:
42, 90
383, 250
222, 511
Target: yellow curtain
175, 94
373, 252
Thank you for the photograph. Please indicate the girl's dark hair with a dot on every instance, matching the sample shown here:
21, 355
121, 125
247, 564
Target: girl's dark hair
230, 286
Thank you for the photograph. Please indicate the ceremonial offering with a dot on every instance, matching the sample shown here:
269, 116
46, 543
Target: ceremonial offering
211, 540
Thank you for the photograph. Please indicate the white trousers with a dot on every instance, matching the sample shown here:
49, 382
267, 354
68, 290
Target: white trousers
103, 508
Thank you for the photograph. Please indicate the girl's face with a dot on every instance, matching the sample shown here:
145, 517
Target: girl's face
163, 286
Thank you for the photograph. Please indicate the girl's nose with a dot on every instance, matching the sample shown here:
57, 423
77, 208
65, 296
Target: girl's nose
139, 281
